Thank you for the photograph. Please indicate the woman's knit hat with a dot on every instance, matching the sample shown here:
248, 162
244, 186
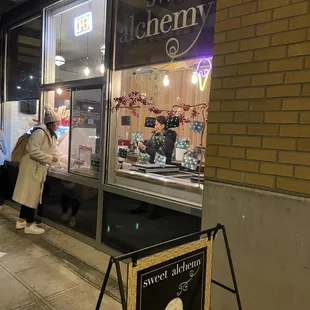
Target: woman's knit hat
50, 116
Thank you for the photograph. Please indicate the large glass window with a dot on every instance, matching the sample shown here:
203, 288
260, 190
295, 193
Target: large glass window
23, 74
158, 129
60, 102
85, 131
75, 41
130, 224
81, 140
19, 117
71, 204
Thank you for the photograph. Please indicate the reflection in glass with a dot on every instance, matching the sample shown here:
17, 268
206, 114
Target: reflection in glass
24, 61
129, 224
71, 204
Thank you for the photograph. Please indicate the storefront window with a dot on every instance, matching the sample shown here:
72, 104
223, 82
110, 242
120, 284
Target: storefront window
71, 204
85, 131
160, 116
161, 91
80, 142
59, 101
75, 41
23, 74
130, 224
19, 117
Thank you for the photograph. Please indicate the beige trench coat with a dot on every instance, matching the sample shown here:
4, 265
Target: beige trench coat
33, 167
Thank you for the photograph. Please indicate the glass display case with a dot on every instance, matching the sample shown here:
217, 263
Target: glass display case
160, 116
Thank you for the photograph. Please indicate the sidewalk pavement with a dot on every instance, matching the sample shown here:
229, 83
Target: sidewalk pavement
32, 278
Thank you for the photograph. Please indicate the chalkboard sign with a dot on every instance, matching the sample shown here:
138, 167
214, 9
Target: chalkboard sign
177, 279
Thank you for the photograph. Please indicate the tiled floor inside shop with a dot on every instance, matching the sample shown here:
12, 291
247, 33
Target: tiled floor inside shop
35, 274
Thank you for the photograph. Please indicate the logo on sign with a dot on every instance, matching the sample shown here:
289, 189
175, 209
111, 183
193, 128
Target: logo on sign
83, 24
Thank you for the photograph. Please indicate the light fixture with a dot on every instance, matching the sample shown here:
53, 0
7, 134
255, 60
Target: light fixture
83, 24
59, 61
166, 80
204, 68
90, 108
86, 71
102, 49
102, 68
30, 77
59, 91
194, 78
18, 87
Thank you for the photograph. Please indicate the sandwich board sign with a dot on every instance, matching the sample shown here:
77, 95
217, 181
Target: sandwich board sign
175, 279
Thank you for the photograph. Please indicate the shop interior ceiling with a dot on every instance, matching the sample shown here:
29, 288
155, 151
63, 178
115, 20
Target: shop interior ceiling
85, 45
88, 44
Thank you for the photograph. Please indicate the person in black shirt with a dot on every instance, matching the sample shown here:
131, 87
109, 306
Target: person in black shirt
151, 147
169, 138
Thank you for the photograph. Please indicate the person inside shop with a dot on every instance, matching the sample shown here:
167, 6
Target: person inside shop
166, 149
41, 152
169, 141
3, 153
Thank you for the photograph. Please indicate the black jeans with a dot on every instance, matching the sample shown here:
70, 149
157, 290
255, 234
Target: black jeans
65, 203
27, 214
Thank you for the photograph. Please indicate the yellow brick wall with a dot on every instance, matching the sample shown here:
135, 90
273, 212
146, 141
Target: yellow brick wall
259, 118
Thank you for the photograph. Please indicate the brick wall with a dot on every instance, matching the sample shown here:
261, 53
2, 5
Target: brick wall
259, 118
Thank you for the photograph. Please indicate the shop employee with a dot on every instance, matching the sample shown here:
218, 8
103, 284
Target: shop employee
169, 141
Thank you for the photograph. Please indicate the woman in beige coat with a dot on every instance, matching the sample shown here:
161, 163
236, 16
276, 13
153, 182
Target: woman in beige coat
42, 151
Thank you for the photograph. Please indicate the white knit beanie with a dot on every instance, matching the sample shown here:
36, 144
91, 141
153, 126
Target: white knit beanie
50, 116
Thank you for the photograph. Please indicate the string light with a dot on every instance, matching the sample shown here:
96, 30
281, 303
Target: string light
86, 71
102, 68
194, 78
166, 80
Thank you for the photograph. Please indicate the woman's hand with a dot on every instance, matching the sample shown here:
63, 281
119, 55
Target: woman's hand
141, 146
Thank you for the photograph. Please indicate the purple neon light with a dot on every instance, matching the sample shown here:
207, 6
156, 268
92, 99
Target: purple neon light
204, 72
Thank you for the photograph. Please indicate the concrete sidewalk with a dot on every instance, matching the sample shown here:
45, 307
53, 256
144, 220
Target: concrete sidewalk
32, 278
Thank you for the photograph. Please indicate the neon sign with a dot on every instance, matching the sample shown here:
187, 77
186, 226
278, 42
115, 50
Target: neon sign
203, 70
83, 24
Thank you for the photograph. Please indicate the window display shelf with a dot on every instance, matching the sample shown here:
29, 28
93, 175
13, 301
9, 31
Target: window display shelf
167, 186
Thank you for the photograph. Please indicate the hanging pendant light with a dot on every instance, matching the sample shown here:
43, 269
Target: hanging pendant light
59, 61
166, 80
194, 78
59, 91
87, 71
102, 68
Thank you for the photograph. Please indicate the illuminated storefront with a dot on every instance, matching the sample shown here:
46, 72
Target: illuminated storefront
111, 72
